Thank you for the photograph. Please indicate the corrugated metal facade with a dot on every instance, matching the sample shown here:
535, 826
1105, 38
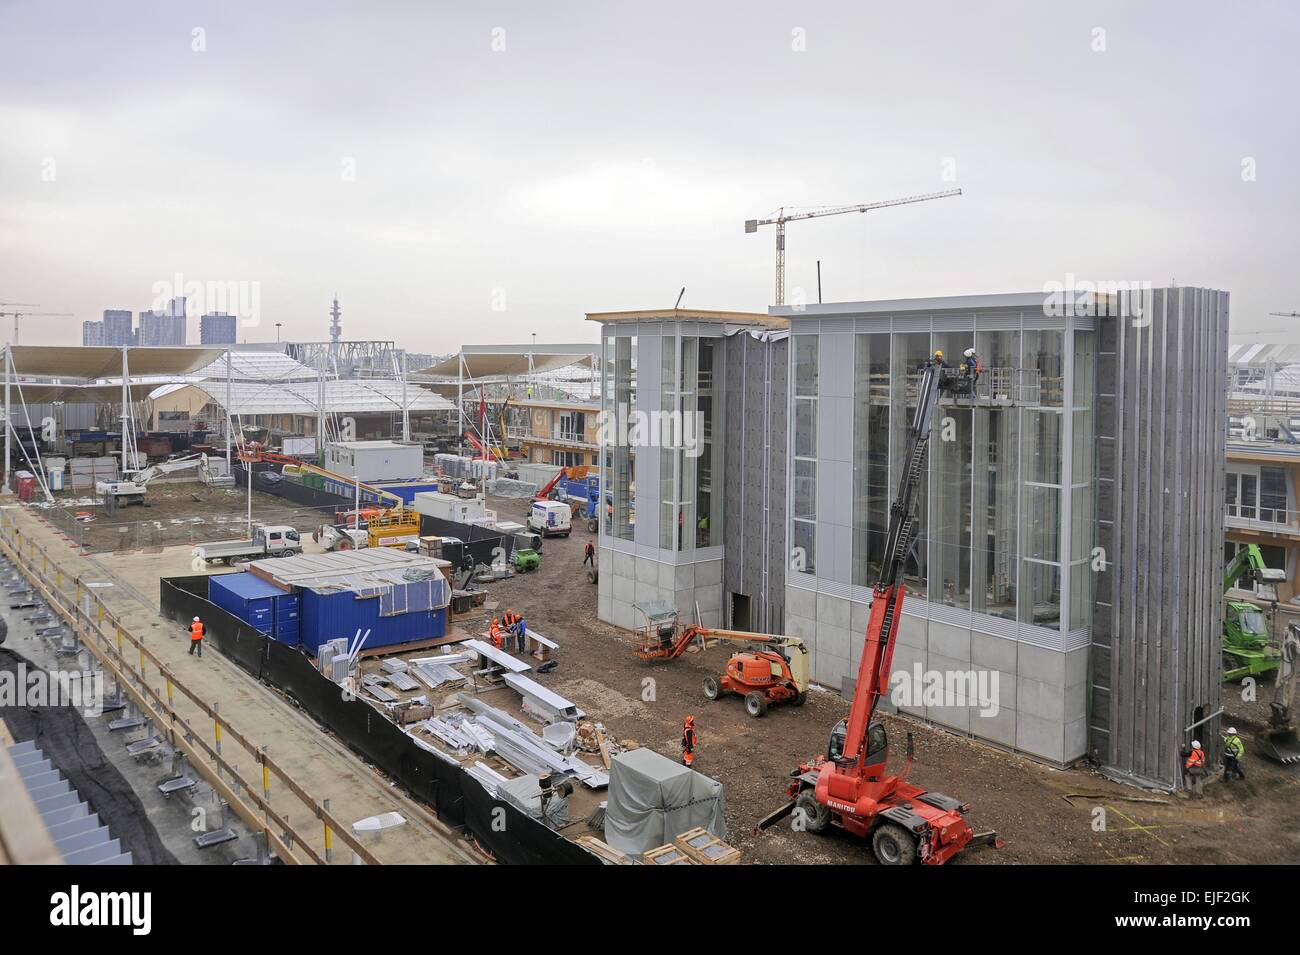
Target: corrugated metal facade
757, 375
1157, 624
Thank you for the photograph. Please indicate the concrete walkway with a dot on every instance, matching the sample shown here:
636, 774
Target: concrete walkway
317, 762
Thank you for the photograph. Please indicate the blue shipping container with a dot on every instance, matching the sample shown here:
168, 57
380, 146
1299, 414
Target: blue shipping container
258, 603
326, 616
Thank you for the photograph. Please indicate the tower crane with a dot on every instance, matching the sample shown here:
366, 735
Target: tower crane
1285, 314
781, 217
21, 311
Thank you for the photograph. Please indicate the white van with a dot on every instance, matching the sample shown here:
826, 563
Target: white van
550, 518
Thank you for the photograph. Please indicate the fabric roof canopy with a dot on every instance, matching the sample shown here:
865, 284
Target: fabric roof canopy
488, 361
102, 361
349, 396
41, 392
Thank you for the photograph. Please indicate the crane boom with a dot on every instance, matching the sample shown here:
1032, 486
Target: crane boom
887, 595
781, 218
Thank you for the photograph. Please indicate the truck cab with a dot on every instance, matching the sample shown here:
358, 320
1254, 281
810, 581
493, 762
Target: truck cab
278, 539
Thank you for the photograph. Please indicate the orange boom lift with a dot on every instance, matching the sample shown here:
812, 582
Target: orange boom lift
849, 787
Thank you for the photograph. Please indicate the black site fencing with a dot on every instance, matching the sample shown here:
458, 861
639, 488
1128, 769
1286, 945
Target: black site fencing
460, 801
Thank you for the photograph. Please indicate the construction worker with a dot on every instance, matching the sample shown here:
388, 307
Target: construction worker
1233, 751
589, 554
938, 358
970, 369
1194, 768
196, 637
688, 741
494, 632
521, 633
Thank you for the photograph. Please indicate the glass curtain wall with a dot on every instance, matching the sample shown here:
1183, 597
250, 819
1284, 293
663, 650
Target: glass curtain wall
910, 351
620, 457
670, 458
702, 430
951, 445
803, 498
685, 433
996, 467
1041, 495
1082, 479
871, 492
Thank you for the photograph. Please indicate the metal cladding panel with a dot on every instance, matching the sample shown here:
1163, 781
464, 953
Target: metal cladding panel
1156, 616
754, 500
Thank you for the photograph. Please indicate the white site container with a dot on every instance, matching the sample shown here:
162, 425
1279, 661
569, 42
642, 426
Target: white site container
449, 507
371, 461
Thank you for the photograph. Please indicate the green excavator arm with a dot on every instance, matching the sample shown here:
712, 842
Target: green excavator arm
1249, 564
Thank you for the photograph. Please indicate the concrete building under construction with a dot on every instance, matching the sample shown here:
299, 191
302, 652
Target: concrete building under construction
1070, 544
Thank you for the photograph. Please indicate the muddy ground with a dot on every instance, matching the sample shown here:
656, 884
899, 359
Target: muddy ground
1257, 821
177, 513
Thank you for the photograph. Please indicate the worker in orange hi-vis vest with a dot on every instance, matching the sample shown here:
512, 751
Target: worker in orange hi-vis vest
495, 633
196, 637
688, 741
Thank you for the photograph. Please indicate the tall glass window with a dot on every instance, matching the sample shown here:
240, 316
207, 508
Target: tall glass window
910, 351
871, 394
670, 459
803, 510
1041, 497
995, 514
620, 494
706, 531
1082, 479
951, 444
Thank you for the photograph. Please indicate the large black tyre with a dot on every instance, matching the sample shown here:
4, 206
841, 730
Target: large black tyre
809, 815
711, 688
801, 698
755, 704
893, 845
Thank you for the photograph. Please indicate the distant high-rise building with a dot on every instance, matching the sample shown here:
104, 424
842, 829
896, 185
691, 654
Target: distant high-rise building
336, 325
117, 327
92, 333
217, 328
163, 328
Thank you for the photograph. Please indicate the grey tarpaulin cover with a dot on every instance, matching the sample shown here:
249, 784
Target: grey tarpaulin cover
653, 800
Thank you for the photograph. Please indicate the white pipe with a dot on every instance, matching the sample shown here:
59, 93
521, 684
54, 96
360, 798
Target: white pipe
9, 361
228, 412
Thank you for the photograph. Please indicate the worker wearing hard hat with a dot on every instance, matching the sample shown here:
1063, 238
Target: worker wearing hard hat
688, 741
494, 632
196, 637
938, 359
1194, 767
970, 370
1233, 752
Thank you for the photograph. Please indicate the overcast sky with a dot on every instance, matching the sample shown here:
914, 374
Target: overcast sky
477, 172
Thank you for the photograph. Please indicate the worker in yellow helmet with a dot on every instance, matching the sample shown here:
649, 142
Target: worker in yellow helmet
938, 358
